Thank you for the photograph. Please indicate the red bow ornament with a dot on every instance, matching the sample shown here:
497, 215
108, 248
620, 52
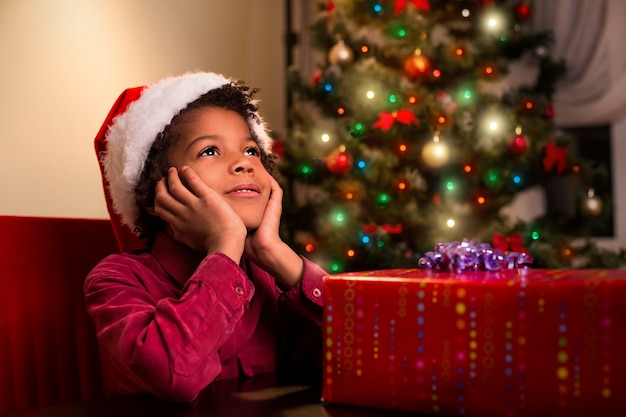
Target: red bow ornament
513, 243
386, 119
555, 156
399, 5
370, 229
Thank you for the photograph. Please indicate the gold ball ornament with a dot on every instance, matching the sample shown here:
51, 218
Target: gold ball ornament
340, 54
591, 205
435, 154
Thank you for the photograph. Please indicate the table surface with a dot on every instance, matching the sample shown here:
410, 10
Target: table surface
256, 397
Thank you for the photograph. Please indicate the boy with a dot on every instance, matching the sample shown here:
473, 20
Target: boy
216, 294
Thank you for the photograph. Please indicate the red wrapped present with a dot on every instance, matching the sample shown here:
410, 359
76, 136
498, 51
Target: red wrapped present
516, 342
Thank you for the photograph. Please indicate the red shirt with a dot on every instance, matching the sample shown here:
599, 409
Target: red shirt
170, 321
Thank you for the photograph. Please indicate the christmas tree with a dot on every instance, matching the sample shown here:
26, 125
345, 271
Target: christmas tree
410, 134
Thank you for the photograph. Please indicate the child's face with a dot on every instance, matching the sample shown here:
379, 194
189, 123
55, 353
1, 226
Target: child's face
217, 145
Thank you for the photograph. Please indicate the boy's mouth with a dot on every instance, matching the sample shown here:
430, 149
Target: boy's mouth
243, 189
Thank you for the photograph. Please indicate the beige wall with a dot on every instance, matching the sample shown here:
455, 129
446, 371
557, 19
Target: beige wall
64, 62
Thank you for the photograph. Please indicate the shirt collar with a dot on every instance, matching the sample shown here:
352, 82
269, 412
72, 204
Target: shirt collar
178, 260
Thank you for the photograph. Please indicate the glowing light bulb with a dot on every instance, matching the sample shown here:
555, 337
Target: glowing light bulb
350, 253
370, 94
494, 21
450, 223
325, 137
465, 12
493, 122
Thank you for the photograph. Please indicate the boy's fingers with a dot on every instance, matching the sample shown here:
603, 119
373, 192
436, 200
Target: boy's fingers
163, 200
176, 186
195, 183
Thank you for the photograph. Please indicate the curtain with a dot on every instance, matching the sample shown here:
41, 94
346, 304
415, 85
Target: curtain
590, 35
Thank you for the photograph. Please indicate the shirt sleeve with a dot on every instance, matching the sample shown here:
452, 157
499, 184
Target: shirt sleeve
167, 345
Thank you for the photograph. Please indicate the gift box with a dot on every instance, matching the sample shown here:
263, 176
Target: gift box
516, 342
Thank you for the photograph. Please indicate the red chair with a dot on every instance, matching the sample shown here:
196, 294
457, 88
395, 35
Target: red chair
48, 348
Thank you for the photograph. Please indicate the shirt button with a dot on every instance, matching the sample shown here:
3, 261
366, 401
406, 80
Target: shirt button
317, 292
239, 290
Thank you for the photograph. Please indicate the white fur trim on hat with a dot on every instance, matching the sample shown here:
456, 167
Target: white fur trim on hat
133, 132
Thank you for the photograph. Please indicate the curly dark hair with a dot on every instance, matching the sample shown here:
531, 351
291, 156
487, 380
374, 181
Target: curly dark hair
235, 96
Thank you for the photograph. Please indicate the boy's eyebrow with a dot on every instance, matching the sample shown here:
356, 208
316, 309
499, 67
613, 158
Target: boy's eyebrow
215, 137
203, 137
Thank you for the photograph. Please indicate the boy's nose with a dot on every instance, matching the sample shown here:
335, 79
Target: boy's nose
242, 165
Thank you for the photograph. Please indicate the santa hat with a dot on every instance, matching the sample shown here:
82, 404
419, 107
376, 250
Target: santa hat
130, 129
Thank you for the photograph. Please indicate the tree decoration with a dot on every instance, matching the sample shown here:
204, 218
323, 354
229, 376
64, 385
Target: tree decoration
387, 119
435, 153
399, 5
446, 102
555, 156
278, 147
340, 54
392, 229
508, 244
416, 65
518, 145
350, 190
338, 161
522, 11
316, 78
492, 178
591, 205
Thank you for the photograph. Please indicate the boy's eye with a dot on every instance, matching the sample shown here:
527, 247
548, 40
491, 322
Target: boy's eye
253, 150
210, 151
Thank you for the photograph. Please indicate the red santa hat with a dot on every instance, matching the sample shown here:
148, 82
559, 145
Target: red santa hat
130, 129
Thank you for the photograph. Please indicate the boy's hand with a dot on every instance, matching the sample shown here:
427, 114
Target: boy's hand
265, 247
198, 216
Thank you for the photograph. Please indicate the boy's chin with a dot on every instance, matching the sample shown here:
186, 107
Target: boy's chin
252, 226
